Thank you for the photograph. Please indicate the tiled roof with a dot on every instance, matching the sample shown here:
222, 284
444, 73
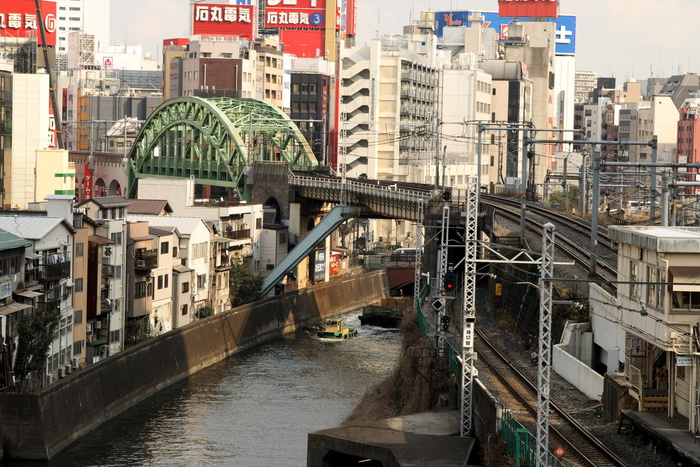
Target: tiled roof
107, 201
149, 206
185, 225
159, 232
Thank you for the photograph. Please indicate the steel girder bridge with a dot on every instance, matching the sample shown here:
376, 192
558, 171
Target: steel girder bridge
213, 140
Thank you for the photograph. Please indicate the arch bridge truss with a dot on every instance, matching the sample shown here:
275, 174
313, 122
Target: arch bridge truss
213, 140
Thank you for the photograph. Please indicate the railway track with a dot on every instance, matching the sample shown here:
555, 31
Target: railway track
583, 449
573, 234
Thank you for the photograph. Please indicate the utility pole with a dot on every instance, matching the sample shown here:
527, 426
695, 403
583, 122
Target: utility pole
523, 186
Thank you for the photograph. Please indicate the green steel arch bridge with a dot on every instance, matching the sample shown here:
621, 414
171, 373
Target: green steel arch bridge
213, 140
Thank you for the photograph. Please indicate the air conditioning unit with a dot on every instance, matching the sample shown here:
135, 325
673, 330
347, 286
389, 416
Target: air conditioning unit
68, 369
98, 324
140, 263
61, 372
88, 328
75, 363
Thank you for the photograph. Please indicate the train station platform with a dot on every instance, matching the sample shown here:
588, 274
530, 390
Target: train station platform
428, 438
671, 433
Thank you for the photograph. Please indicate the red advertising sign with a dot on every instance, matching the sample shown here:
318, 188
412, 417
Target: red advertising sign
18, 18
296, 14
87, 182
528, 8
308, 44
334, 265
351, 13
224, 20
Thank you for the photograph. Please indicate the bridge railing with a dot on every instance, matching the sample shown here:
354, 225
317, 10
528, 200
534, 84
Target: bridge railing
359, 187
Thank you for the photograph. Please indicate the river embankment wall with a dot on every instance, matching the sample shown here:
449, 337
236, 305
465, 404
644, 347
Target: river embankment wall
40, 425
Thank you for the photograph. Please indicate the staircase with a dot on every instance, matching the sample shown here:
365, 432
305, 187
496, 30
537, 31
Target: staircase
654, 400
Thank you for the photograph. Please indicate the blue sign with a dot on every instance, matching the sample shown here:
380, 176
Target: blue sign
320, 266
243, 2
565, 33
316, 18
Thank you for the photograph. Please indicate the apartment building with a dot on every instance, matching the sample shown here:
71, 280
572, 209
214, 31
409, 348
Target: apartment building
48, 273
648, 330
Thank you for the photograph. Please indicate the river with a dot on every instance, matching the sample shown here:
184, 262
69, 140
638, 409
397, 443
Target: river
253, 409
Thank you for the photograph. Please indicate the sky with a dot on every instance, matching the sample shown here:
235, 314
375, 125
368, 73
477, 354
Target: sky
620, 38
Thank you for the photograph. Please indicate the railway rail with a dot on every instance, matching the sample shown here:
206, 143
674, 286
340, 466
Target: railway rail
583, 448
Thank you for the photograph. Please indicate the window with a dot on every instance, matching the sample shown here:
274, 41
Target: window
79, 285
116, 238
114, 336
78, 316
164, 248
183, 310
174, 252
283, 238
79, 250
185, 287
78, 347
201, 281
140, 289
199, 250
633, 280
167, 276
160, 282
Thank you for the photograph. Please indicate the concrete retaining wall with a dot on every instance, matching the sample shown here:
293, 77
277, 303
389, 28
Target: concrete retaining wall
583, 377
38, 426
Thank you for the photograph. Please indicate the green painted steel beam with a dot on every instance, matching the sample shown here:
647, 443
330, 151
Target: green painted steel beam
214, 140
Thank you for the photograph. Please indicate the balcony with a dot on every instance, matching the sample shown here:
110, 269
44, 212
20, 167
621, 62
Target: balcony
146, 259
54, 272
242, 234
48, 305
108, 271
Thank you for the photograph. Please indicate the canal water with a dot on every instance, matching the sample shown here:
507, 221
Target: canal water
253, 409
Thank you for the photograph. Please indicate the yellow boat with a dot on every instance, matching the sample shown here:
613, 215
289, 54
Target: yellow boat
333, 329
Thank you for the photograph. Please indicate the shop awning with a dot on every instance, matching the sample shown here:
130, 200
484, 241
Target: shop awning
29, 294
685, 278
12, 308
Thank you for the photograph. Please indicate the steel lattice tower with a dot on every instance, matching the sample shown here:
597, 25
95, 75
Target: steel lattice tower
468, 305
545, 359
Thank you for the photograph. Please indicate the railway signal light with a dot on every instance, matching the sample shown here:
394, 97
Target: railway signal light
447, 195
448, 281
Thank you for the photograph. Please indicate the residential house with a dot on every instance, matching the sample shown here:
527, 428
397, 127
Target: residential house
193, 251
12, 250
48, 271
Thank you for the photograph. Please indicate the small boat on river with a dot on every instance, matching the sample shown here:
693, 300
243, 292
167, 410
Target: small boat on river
333, 329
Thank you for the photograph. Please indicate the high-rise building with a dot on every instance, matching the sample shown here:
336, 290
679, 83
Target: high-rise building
585, 84
88, 16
